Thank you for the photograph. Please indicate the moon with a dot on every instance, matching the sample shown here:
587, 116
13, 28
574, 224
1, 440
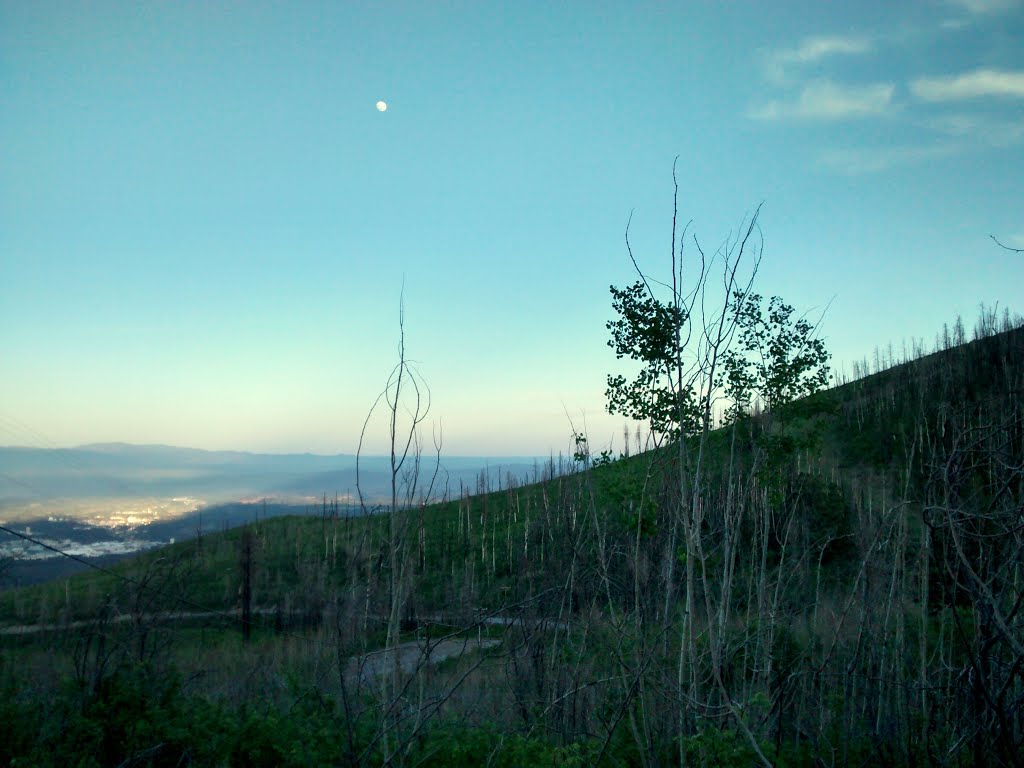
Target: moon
382, 106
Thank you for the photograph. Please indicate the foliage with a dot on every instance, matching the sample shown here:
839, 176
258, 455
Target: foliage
778, 360
713, 747
648, 332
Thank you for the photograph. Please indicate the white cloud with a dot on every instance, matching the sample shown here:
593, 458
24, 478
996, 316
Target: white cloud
873, 160
813, 49
982, 7
963, 133
970, 85
826, 100
986, 130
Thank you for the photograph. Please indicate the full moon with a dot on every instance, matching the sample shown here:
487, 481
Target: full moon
382, 106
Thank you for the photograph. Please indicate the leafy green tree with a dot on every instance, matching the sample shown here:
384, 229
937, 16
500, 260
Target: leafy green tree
647, 332
695, 340
773, 358
778, 359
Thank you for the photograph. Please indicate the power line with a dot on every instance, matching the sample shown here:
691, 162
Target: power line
22, 483
69, 457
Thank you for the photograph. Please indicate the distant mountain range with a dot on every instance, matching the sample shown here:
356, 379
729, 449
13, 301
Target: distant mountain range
120, 470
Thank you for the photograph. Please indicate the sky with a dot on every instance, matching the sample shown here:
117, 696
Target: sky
207, 228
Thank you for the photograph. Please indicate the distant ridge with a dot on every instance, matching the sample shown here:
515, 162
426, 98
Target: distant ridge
124, 470
162, 449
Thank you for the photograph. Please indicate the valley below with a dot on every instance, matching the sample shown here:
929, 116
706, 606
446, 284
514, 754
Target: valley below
101, 503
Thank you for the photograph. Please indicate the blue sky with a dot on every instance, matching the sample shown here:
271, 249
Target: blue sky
205, 224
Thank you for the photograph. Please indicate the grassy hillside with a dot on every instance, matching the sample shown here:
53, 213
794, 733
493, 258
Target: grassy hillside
840, 583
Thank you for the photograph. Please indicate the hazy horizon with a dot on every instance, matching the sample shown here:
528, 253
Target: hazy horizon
118, 443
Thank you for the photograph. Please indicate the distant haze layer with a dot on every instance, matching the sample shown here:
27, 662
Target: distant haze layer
164, 480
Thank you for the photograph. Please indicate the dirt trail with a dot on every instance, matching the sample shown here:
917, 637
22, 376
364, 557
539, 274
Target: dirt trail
411, 655
415, 655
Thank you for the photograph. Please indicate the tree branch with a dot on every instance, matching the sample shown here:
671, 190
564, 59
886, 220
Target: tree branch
1006, 247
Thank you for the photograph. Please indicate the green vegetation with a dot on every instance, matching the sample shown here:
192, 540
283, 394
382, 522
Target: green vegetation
863, 607
785, 575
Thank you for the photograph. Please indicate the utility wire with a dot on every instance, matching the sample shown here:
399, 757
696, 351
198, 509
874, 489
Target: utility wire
176, 597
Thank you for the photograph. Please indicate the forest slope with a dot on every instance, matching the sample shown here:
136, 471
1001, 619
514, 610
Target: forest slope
845, 586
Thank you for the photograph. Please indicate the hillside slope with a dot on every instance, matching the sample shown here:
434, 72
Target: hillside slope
842, 585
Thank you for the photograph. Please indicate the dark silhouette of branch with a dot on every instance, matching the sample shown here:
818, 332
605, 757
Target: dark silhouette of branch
1006, 247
